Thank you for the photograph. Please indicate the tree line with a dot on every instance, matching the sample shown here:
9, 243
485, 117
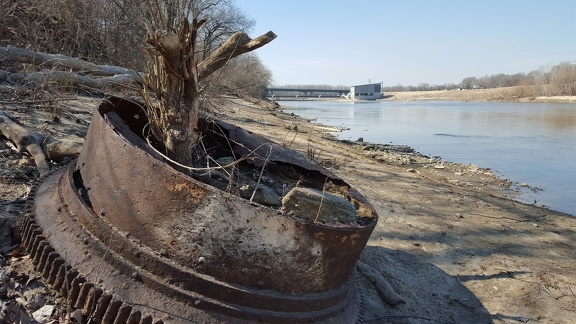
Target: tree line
114, 32
559, 80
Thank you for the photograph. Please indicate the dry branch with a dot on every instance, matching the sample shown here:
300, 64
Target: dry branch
20, 55
100, 76
237, 44
71, 78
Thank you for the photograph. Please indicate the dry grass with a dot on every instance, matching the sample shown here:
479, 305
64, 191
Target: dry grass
518, 93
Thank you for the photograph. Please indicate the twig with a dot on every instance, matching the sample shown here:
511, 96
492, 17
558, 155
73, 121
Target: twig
189, 168
261, 173
292, 141
208, 158
321, 199
309, 150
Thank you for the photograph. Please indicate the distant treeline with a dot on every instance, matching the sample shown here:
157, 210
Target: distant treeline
113, 32
560, 80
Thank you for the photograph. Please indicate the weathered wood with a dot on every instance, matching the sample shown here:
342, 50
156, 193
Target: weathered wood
100, 76
174, 79
237, 44
25, 140
385, 291
72, 78
20, 55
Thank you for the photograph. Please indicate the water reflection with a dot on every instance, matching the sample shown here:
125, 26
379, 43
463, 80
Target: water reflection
525, 142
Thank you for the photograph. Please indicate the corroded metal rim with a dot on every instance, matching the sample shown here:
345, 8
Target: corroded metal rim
173, 249
59, 237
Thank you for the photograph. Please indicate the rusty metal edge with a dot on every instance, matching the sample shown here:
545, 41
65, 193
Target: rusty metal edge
94, 302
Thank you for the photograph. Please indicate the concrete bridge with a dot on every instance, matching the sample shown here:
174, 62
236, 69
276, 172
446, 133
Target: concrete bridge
272, 92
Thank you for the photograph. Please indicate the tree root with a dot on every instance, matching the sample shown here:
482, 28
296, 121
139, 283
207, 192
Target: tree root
384, 289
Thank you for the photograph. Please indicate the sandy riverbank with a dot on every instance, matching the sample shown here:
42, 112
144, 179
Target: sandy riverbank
449, 239
498, 94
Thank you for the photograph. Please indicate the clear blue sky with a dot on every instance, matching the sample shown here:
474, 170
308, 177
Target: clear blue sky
410, 42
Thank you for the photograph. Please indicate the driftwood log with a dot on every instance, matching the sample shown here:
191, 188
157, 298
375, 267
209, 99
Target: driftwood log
71, 78
20, 55
78, 73
37, 145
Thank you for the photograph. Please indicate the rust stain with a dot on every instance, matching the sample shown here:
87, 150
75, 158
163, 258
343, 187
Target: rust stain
354, 237
196, 193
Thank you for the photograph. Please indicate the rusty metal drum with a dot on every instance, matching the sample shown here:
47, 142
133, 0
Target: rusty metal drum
129, 237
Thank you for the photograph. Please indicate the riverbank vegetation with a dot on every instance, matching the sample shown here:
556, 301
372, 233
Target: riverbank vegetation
559, 80
511, 94
110, 32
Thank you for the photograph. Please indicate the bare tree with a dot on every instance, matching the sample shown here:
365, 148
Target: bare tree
563, 78
225, 20
245, 74
175, 75
469, 82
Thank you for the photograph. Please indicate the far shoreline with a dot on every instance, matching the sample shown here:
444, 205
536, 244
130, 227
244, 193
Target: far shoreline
509, 94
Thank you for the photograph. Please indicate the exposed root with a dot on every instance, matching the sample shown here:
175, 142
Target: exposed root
384, 289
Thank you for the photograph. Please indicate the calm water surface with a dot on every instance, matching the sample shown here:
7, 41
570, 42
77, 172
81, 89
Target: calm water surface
533, 143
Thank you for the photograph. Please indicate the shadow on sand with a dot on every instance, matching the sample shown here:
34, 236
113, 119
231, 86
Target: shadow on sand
433, 296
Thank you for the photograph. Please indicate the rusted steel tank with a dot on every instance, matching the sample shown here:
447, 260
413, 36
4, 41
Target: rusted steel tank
128, 238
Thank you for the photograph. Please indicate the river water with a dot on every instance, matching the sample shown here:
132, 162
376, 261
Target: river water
532, 143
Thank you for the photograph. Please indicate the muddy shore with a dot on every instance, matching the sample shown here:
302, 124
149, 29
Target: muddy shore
450, 238
460, 222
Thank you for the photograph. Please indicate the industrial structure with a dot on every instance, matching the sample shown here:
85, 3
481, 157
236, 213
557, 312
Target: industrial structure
305, 92
371, 91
